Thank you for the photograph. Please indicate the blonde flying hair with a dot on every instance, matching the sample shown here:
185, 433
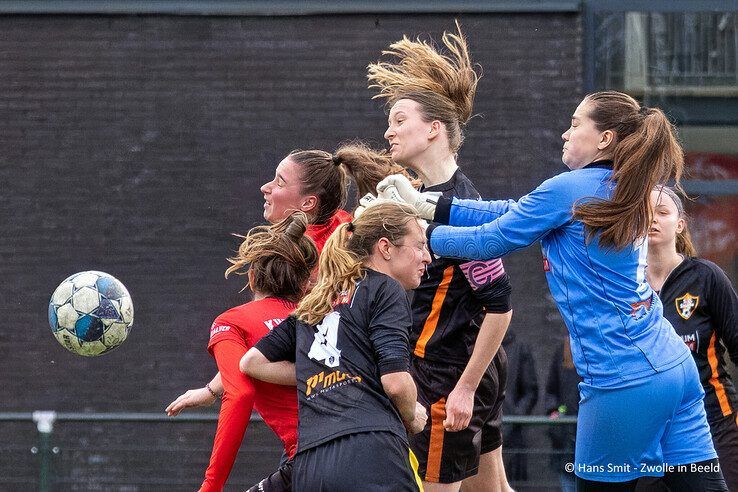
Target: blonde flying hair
443, 85
280, 257
344, 254
646, 154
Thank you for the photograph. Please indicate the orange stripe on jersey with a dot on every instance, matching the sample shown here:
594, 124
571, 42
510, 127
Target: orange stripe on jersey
435, 446
714, 381
431, 322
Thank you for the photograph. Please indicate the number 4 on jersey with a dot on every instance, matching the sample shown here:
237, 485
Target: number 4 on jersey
324, 347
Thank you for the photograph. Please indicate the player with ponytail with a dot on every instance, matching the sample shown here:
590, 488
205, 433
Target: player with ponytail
348, 343
316, 182
641, 397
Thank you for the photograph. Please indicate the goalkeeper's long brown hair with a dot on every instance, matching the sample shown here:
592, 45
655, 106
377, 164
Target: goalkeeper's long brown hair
280, 257
443, 85
326, 175
646, 154
344, 254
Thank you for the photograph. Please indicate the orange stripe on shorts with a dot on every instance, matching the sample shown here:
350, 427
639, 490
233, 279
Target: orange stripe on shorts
435, 446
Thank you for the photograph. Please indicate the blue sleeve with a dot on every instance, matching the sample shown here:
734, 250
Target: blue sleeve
469, 212
547, 207
477, 212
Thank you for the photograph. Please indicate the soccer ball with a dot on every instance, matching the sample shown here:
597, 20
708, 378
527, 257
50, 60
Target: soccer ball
90, 313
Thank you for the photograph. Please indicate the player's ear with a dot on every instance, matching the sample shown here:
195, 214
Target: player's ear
309, 204
606, 139
436, 127
681, 224
382, 248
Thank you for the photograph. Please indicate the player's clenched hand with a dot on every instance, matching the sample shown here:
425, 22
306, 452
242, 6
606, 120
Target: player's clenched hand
199, 397
421, 417
398, 187
459, 407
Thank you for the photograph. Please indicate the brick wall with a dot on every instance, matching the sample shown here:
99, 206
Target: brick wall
136, 145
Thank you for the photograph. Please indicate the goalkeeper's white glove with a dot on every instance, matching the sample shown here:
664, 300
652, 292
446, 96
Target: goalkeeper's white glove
399, 188
370, 200
365, 202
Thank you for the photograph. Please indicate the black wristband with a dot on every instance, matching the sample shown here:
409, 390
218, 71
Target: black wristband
428, 232
443, 210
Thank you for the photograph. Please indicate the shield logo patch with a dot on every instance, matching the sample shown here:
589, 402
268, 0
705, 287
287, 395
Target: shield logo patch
686, 305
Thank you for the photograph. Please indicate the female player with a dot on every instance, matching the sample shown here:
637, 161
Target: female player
461, 310
702, 306
281, 259
313, 182
641, 405
348, 341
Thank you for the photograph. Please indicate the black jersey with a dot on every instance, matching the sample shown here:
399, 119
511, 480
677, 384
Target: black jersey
451, 299
702, 305
340, 361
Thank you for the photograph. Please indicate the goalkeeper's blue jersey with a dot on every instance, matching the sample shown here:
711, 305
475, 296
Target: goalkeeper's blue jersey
615, 320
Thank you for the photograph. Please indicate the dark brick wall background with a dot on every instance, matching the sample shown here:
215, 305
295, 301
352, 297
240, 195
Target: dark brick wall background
136, 145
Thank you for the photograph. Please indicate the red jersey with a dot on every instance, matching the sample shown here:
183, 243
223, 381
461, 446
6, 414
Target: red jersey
231, 335
319, 233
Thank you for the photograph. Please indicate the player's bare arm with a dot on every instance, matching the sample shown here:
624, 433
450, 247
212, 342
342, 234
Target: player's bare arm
257, 366
460, 402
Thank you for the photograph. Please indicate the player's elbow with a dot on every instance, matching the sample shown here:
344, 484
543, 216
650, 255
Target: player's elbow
249, 362
397, 384
241, 396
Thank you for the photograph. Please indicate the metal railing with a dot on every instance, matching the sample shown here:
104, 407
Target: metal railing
47, 452
670, 53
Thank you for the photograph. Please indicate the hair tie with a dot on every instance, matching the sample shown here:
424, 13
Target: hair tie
350, 227
644, 110
336, 160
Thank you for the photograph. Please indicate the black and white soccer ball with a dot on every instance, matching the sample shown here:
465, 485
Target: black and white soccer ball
90, 313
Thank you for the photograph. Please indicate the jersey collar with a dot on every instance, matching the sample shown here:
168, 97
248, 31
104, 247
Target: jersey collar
448, 185
603, 164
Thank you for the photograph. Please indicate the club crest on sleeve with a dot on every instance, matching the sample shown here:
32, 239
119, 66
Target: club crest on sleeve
686, 305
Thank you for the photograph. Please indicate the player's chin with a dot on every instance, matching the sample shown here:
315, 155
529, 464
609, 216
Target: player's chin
416, 282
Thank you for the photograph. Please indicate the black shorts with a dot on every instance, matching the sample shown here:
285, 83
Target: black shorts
448, 457
279, 481
371, 461
725, 438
